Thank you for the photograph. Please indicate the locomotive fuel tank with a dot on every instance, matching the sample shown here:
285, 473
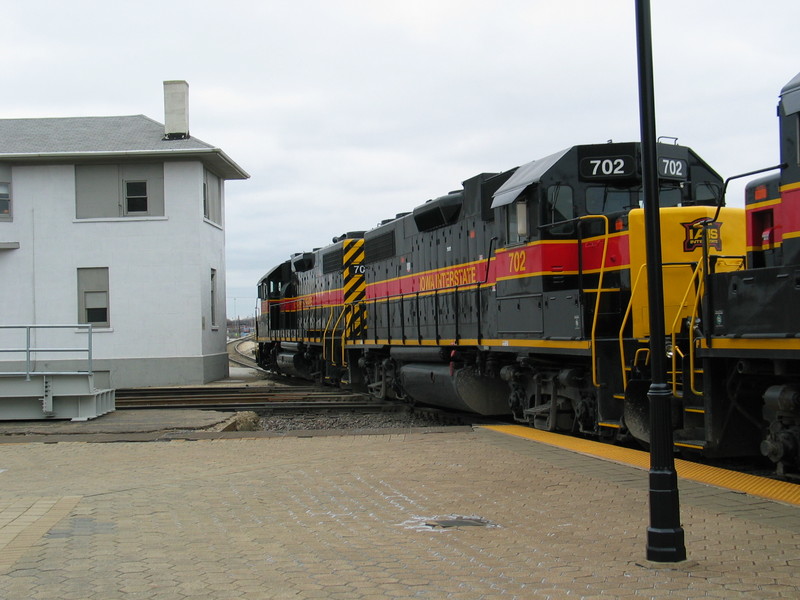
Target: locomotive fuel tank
462, 389
291, 360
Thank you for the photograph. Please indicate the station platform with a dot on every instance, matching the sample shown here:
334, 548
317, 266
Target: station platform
456, 513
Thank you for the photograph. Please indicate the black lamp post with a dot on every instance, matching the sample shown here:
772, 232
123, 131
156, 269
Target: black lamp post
665, 534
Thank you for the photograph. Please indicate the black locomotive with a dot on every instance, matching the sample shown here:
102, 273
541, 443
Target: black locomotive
524, 293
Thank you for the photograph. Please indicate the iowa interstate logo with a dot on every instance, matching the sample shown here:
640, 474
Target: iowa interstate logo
694, 234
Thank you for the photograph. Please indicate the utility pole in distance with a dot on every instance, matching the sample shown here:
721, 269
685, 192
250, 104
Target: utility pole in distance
665, 541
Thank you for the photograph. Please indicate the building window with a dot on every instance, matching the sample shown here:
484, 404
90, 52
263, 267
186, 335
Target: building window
114, 191
136, 197
205, 200
212, 198
213, 297
93, 305
5, 201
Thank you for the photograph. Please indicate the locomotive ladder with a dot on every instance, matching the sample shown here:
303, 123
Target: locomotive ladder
598, 292
353, 313
687, 395
694, 286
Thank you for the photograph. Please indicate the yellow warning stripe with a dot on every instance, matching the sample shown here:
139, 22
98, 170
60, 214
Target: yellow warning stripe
790, 186
739, 482
724, 343
545, 344
763, 204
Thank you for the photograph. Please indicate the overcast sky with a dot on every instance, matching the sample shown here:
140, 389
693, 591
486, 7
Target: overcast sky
346, 112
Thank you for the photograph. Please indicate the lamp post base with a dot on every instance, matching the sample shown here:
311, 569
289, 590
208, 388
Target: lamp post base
665, 535
665, 545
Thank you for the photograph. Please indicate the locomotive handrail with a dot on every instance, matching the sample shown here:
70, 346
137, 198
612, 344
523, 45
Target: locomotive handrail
402, 323
695, 268
479, 337
325, 333
419, 321
434, 292
692, 346
697, 274
333, 332
700, 274
595, 316
347, 308
599, 290
455, 311
435, 315
721, 200
625, 317
573, 220
389, 322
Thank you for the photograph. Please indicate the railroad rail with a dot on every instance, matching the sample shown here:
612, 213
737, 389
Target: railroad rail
239, 357
240, 397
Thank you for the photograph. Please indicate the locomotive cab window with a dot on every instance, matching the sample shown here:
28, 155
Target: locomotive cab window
603, 200
707, 194
559, 207
668, 196
517, 221
606, 200
797, 136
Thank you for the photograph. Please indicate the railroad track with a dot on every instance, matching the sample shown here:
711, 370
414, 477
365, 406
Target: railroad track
240, 397
239, 357
281, 397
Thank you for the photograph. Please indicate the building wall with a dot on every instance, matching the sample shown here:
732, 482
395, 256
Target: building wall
159, 278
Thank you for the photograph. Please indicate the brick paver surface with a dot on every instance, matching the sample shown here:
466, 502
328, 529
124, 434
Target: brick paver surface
347, 517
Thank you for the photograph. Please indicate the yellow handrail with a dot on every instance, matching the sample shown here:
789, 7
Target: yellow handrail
333, 331
692, 337
624, 322
692, 342
325, 333
597, 297
347, 325
675, 326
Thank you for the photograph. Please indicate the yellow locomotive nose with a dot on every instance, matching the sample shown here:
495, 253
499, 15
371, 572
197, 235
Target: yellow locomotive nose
683, 230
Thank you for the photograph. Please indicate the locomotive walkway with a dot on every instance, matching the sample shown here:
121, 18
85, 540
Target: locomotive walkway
467, 514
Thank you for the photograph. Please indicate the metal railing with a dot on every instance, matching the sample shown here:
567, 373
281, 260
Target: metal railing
30, 351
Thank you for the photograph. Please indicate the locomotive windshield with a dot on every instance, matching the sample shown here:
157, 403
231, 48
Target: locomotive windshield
607, 199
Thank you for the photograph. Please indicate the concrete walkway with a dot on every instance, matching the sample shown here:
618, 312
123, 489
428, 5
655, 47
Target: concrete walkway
465, 515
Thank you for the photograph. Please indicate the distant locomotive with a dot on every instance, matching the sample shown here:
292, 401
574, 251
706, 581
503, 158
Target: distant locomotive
524, 293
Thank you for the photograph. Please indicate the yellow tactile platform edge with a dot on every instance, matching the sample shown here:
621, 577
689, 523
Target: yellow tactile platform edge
24, 521
740, 482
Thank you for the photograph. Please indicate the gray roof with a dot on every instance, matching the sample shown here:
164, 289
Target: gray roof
790, 94
524, 176
82, 139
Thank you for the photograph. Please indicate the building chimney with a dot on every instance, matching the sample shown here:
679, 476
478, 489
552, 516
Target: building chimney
176, 110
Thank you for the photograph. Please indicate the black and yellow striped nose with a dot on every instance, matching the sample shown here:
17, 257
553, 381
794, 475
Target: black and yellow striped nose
355, 287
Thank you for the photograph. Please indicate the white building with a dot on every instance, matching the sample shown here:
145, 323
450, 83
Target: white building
117, 222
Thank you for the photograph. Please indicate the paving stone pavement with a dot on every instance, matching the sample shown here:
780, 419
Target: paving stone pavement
350, 517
